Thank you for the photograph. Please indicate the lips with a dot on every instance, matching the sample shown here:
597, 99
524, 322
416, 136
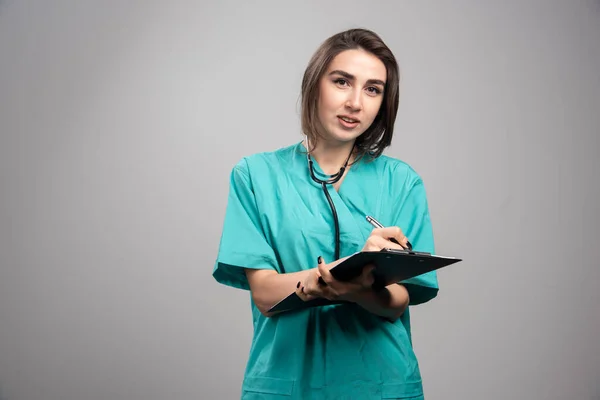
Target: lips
347, 122
348, 119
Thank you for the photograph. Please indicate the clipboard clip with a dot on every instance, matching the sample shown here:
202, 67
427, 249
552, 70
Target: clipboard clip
405, 251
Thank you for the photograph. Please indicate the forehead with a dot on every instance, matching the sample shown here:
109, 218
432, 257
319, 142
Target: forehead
361, 64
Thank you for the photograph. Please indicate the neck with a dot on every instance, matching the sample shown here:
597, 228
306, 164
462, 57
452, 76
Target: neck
332, 156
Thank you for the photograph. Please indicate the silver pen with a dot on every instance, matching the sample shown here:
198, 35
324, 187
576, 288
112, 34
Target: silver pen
377, 224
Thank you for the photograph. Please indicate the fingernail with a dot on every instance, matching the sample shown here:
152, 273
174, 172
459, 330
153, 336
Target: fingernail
320, 260
302, 290
298, 285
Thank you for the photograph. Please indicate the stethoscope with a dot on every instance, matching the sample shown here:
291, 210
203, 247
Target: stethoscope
332, 179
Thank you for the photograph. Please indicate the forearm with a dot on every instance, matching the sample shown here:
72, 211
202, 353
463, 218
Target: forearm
390, 302
268, 287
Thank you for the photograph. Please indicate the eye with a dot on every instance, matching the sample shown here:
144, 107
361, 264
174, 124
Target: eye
340, 81
374, 90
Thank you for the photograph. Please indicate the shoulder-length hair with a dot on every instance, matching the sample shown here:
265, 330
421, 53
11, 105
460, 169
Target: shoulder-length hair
379, 135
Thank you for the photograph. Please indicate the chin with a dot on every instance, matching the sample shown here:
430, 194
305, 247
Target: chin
343, 136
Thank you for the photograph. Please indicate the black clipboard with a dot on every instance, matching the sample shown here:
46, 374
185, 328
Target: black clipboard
391, 266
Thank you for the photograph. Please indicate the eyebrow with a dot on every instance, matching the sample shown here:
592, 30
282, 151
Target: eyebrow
352, 77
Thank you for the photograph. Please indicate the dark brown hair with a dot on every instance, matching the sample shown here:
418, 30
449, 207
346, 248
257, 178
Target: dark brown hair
379, 135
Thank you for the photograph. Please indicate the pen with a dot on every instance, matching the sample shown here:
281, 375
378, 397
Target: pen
376, 224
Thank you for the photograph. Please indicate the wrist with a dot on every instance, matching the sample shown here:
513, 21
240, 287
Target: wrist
390, 302
360, 296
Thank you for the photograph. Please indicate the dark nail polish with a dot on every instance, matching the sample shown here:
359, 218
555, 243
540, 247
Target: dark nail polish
298, 285
320, 260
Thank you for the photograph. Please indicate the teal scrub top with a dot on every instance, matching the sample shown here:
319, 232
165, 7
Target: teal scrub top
278, 218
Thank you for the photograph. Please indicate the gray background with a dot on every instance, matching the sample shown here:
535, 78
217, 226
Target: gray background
120, 122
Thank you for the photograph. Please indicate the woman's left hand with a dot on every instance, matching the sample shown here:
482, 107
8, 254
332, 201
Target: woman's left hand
330, 288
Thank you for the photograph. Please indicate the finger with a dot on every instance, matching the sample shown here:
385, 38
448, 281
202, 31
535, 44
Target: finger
373, 243
381, 243
393, 233
312, 287
326, 289
367, 277
304, 295
368, 269
321, 280
323, 270
398, 237
301, 292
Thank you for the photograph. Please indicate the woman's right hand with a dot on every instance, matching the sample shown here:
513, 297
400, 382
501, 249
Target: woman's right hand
380, 239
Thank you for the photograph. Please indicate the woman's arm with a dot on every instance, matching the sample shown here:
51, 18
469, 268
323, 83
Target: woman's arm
269, 287
390, 302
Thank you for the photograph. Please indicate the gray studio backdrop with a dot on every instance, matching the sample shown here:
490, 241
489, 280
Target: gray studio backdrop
120, 123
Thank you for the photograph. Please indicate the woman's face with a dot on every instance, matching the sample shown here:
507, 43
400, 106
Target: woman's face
351, 93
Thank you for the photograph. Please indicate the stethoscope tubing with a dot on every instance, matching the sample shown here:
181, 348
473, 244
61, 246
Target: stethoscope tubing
332, 179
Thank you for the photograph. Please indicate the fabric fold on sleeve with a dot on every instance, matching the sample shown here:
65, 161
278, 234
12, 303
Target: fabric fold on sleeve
243, 243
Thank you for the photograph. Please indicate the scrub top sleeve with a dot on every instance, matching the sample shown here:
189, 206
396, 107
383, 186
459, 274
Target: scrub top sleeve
243, 244
414, 214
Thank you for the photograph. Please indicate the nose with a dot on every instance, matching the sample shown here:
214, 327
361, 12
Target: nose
354, 101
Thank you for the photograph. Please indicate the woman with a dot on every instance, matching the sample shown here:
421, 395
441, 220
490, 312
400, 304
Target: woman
288, 208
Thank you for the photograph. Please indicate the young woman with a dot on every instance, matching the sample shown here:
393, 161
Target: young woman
294, 213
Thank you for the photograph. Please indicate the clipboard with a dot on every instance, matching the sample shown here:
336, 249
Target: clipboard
391, 266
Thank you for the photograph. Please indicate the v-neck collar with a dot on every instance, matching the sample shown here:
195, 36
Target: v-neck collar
322, 175
342, 198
